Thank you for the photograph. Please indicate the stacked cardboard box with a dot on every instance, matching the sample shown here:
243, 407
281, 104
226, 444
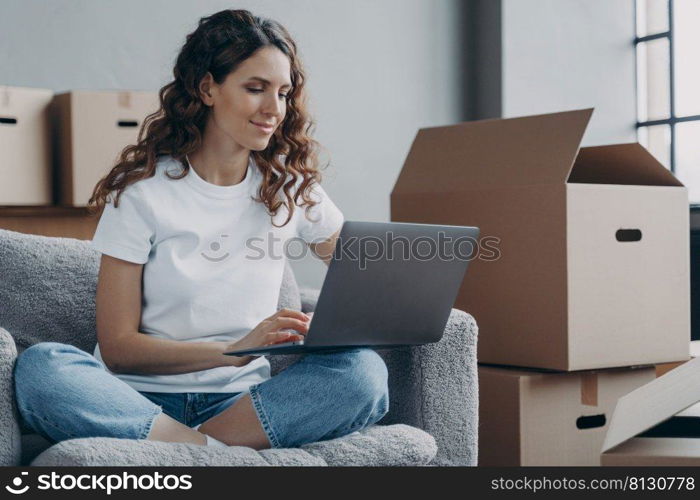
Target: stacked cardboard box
25, 142
664, 368
56, 147
531, 417
92, 128
587, 288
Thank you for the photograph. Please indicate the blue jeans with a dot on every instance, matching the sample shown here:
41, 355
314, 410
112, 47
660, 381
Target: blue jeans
63, 393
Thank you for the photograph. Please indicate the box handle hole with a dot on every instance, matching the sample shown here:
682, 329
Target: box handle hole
628, 235
590, 422
8, 120
128, 123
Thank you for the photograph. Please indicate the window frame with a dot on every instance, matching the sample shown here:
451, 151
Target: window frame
672, 119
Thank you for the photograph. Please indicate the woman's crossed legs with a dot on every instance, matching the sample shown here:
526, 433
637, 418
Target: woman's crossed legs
64, 393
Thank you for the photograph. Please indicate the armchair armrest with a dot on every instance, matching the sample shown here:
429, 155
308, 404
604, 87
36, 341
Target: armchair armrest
10, 443
435, 387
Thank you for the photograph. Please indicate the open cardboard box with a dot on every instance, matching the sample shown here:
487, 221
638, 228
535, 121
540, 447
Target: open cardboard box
535, 418
592, 262
658, 423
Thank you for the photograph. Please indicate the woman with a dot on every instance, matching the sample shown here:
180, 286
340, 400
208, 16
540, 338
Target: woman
226, 162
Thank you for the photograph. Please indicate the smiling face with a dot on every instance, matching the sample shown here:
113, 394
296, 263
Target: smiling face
251, 102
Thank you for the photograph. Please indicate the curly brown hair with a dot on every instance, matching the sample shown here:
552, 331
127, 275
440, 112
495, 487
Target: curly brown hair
220, 43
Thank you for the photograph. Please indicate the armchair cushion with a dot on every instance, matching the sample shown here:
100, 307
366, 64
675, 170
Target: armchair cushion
374, 446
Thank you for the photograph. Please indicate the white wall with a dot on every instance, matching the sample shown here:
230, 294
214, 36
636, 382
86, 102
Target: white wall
378, 71
571, 54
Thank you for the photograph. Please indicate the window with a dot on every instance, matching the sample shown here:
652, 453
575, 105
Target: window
668, 86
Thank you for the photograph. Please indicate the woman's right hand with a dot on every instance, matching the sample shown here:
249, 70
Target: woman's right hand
269, 331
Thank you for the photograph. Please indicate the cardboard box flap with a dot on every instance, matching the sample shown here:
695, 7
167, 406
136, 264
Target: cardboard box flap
531, 150
693, 411
629, 164
654, 403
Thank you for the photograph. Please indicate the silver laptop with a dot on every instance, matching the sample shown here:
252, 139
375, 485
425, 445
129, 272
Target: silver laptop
388, 285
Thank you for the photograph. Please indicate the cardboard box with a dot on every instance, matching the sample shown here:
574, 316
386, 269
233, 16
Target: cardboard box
592, 261
92, 128
667, 367
529, 417
25, 142
658, 423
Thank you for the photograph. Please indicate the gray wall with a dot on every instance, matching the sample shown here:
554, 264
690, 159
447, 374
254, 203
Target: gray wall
571, 54
378, 71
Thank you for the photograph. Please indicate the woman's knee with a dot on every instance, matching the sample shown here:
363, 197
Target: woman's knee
368, 375
37, 364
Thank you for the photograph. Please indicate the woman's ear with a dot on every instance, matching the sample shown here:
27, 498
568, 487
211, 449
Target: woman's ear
205, 89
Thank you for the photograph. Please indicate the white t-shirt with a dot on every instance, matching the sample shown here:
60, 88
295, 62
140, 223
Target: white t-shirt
213, 264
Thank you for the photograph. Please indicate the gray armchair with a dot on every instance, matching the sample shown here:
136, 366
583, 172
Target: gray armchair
47, 288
